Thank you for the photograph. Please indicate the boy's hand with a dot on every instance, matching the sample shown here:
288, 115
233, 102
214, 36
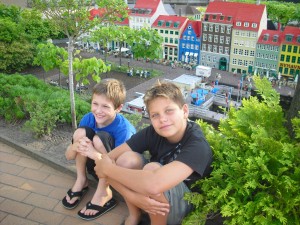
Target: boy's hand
101, 164
86, 148
151, 206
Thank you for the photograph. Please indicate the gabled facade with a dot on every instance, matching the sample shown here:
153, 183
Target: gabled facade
145, 12
289, 62
170, 28
249, 21
190, 42
267, 53
216, 36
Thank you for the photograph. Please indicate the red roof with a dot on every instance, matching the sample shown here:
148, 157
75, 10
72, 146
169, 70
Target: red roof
267, 37
96, 12
145, 7
295, 32
196, 27
173, 19
239, 12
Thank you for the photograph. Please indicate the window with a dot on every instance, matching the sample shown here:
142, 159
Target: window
196, 47
238, 24
234, 61
241, 43
183, 45
171, 32
252, 53
211, 28
228, 30
298, 38
160, 23
283, 48
226, 50
209, 48
288, 58
237, 32
235, 51
216, 28
176, 40
168, 23
176, 32
240, 62
214, 17
275, 38
210, 37
222, 29
254, 25
204, 47
295, 50
221, 39
245, 63
215, 49
206, 17
266, 37
221, 17
282, 57
288, 37
204, 37
171, 40
205, 27
227, 40
293, 59
216, 38
176, 24
189, 32
246, 24
221, 50
166, 40
166, 32
289, 48
192, 38
229, 18
240, 51
192, 46
246, 52
161, 31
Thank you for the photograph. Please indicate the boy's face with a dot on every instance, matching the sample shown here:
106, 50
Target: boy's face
168, 119
103, 110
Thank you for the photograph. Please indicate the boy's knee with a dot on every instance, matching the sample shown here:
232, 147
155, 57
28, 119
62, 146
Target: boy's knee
104, 139
151, 166
83, 132
130, 160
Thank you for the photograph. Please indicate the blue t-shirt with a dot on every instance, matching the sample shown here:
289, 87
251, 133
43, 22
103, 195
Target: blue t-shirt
120, 129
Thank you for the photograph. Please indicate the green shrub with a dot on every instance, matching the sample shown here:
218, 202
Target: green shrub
26, 97
256, 168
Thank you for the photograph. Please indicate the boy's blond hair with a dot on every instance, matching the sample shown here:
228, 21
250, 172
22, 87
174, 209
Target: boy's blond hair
113, 89
166, 90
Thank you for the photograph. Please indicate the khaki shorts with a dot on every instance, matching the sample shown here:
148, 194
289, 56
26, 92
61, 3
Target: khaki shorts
179, 207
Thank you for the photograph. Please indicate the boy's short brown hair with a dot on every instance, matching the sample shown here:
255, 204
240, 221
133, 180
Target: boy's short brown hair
164, 89
113, 89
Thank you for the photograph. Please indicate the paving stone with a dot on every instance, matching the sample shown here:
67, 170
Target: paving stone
41, 201
34, 174
15, 220
14, 193
15, 208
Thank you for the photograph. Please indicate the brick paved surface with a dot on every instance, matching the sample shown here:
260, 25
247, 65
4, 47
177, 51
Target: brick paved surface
31, 192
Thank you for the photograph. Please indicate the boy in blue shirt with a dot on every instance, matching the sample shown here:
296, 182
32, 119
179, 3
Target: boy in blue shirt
106, 129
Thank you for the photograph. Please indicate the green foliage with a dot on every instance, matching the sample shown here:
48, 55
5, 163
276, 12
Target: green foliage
26, 97
256, 175
136, 120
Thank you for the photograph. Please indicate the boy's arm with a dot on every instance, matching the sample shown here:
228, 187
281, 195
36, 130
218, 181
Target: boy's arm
146, 182
116, 152
146, 203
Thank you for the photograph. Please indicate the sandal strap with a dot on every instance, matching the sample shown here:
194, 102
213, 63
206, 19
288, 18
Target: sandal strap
90, 205
77, 193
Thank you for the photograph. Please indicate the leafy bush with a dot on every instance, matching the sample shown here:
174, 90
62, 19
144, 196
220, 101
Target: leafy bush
256, 168
26, 97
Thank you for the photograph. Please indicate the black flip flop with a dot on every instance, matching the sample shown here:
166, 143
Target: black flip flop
71, 195
101, 209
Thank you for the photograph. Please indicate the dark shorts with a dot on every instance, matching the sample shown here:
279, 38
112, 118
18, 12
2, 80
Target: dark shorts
108, 142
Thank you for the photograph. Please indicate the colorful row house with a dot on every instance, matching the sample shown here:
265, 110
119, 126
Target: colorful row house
231, 37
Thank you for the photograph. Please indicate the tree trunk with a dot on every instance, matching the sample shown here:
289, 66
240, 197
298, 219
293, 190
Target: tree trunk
71, 82
293, 110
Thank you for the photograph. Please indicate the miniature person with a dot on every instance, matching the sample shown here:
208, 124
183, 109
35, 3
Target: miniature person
106, 129
179, 155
